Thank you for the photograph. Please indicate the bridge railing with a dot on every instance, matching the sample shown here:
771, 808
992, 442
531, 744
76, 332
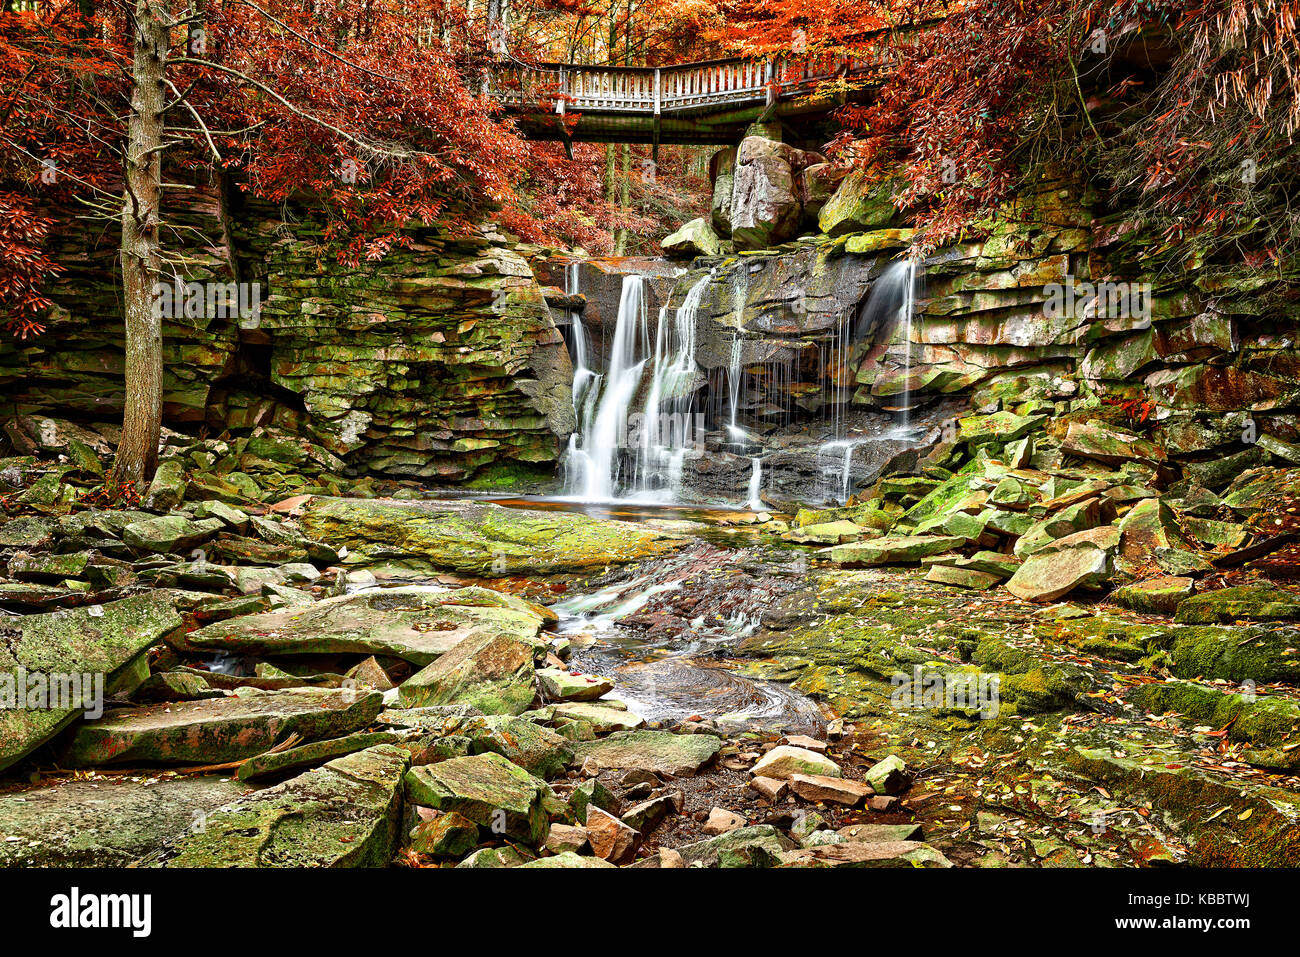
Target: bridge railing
614, 89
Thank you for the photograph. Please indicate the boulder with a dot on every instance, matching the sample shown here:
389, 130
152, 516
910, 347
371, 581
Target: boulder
765, 208
676, 754
1256, 602
1155, 596
1048, 576
478, 537
101, 640
723, 166
784, 761
695, 238
487, 789
490, 672
858, 205
345, 814
611, 840
894, 549
416, 623
888, 776
106, 822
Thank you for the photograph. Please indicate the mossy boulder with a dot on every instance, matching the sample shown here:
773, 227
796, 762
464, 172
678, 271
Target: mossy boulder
345, 814
99, 640
488, 790
1259, 602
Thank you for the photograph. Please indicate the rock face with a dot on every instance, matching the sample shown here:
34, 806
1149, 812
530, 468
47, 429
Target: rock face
442, 362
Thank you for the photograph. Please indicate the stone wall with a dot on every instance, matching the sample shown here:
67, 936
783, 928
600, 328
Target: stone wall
440, 362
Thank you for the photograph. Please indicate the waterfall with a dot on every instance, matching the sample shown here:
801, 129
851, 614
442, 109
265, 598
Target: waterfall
889, 308
755, 484
615, 453
667, 427
595, 451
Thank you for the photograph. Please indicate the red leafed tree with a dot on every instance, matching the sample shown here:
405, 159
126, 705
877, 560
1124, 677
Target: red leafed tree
371, 111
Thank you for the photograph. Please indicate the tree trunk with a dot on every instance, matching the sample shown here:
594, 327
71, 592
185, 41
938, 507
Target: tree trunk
137, 453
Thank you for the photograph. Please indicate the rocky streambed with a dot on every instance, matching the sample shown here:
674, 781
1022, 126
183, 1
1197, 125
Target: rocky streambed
1018, 654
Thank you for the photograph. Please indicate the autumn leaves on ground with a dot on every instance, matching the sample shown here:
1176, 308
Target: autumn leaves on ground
969, 579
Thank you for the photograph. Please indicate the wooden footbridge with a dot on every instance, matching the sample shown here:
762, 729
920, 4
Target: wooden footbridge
708, 102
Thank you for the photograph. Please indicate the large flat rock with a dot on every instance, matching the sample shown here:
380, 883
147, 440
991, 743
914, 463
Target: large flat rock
478, 537
345, 814
676, 754
416, 623
99, 640
108, 822
493, 673
220, 729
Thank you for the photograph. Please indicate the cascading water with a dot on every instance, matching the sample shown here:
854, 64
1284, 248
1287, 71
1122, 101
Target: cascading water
602, 464
668, 425
595, 457
889, 308
756, 484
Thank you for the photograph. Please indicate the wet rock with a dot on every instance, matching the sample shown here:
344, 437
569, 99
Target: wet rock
493, 673
783, 761
881, 833
611, 840
219, 729
1048, 576
415, 623
487, 789
660, 751
108, 822
345, 814
99, 640
494, 857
